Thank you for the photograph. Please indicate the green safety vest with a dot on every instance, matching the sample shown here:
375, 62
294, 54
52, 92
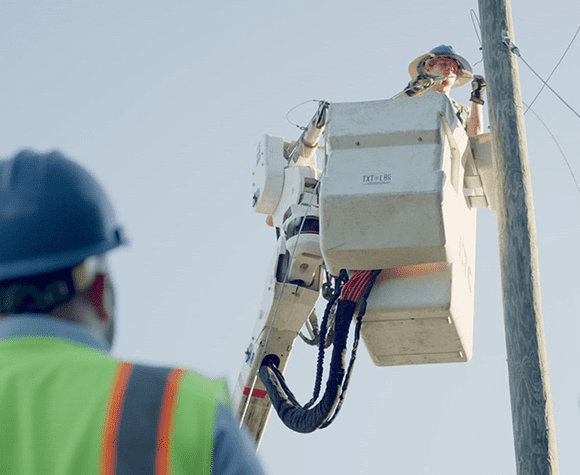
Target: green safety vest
70, 409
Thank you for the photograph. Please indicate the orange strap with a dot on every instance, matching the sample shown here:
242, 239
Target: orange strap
108, 463
164, 432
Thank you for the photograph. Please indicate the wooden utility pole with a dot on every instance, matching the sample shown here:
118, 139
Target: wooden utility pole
532, 414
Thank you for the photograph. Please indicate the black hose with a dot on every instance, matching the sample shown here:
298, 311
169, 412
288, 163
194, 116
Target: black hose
292, 414
323, 337
361, 311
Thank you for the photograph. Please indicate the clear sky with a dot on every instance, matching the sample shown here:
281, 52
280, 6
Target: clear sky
165, 103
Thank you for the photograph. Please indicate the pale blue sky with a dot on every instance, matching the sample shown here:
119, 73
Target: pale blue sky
165, 103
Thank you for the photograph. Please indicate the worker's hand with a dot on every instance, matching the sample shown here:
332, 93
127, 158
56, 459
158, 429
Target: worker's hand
419, 84
478, 87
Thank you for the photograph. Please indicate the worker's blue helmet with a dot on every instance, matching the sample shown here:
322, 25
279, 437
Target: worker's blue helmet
53, 215
465, 69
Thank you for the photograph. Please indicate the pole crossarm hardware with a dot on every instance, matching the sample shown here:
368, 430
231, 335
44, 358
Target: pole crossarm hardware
532, 413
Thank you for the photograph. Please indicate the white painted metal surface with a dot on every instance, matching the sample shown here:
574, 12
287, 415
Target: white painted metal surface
388, 178
422, 314
268, 174
392, 198
486, 169
296, 195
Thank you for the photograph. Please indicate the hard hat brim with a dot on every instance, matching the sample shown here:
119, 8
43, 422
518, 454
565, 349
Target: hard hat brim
53, 215
466, 72
50, 263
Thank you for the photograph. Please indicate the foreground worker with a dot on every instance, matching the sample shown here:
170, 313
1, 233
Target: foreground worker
67, 407
439, 71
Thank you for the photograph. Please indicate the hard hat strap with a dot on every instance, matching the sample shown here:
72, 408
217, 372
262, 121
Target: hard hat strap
37, 294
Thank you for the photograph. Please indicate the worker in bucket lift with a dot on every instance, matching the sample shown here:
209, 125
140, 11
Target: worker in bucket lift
439, 71
69, 408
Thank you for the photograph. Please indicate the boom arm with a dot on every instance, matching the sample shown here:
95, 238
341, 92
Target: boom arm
284, 310
294, 276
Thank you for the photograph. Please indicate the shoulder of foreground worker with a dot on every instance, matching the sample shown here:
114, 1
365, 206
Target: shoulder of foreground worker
197, 385
205, 403
234, 450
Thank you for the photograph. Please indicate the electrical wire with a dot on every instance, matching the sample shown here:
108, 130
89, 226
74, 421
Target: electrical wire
545, 84
301, 127
549, 87
515, 50
553, 71
558, 145
473, 18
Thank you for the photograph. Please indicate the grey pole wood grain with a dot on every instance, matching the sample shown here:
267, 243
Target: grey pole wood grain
532, 414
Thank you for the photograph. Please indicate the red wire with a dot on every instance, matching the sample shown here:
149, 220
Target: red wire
356, 285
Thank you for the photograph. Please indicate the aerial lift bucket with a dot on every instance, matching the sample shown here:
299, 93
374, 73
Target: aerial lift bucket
392, 198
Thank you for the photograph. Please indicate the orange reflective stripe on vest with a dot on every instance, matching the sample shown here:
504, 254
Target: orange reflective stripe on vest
139, 420
113, 419
164, 436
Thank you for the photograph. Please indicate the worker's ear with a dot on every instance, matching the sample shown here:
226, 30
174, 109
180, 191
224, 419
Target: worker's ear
100, 294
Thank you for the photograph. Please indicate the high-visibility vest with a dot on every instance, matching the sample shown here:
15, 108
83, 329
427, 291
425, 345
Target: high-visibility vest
70, 409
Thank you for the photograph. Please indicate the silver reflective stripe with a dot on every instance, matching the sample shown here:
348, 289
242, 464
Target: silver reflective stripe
137, 442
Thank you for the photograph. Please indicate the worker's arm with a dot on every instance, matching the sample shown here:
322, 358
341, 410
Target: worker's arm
418, 85
475, 121
234, 452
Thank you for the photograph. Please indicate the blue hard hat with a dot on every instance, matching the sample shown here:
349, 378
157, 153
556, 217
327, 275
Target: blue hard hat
53, 215
465, 69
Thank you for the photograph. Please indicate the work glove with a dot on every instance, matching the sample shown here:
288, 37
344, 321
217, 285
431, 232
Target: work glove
478, 87
419, 84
